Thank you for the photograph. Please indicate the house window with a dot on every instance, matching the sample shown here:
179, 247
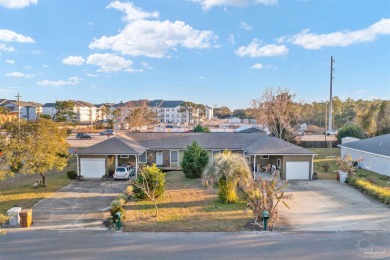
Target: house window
142, 158
264, 156
215, 153
174, 156
278, 163
124, 156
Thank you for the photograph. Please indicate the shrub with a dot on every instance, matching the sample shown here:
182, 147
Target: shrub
385, 178
373, 190
361, 174
325, 166
201, 129
194, 161
72, 174
350, 130
3, 219
117, 206
227, 191
154, 176
129, 191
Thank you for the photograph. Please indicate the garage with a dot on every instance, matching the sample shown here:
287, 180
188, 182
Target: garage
297, 170
92, 167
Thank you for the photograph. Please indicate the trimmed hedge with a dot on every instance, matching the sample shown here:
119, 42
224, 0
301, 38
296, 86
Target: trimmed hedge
375, 191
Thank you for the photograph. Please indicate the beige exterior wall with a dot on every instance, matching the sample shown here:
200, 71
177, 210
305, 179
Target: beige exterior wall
297, 158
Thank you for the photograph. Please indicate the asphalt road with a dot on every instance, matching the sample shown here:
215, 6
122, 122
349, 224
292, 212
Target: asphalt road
95, 138
55, 244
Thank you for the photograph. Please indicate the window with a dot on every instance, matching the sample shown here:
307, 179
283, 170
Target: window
215, 153
142, 158
278, 163
124, 156
174, 156
264, 156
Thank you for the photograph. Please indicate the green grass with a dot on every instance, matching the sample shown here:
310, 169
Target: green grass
186, 206
326, 155
19, 190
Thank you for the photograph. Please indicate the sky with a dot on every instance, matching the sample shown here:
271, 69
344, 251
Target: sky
213, 52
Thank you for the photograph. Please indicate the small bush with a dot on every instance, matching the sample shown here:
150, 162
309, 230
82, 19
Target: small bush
195, 159
3, 219
375, 191
129, 191
361, 174
122, 198
227, 192
117, 206
153, 176
385, 178
325, 166
72, 174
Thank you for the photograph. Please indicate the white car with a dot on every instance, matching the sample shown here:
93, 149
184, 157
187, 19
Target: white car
124, 172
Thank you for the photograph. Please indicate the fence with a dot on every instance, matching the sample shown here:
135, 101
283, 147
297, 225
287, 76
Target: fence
318, 144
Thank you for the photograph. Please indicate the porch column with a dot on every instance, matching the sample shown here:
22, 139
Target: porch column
116, 161
136, 166
254, 165
77, 165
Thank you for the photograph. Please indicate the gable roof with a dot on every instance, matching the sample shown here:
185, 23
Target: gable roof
111, 146
155, 103
138, 143
377, 145
171, 103
49, 105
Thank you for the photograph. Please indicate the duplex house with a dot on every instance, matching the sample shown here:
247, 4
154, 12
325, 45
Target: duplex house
166, 150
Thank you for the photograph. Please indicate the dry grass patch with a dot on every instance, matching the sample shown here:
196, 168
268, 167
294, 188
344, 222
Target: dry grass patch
329, 156
186, 206
19, 189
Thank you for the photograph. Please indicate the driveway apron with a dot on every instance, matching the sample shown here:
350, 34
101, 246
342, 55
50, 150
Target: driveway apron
81, 204
326, 205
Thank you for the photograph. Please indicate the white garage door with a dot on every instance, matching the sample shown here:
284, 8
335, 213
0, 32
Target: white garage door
92, 167
297, 170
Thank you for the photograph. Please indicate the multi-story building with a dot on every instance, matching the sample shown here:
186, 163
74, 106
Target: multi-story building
209, 112
27, 110
84, 112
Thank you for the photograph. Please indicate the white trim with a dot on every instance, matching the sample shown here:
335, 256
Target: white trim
270, 154
170, 156
278, 163
124, 156
385, 156
146, 157
212, 154
78, 165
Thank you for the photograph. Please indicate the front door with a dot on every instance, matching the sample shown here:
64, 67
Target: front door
159, 159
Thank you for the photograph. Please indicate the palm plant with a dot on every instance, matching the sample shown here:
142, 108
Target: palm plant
229, 170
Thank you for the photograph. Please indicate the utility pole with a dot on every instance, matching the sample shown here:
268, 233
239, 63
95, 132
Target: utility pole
326, 108
330, 127
18, 104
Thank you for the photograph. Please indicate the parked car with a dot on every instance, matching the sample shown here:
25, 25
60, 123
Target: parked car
124, 171
83, 136
107, 132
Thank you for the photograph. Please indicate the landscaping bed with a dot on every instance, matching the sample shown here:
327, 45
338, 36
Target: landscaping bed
19, 190
186, 206
327, 156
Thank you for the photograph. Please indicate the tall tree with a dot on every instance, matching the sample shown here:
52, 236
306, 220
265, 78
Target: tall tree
65, 111
189, 109
222, 112
33, 147
194, 161
276, 111
138, 115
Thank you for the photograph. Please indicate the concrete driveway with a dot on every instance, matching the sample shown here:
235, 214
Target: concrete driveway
81, 204
326, 205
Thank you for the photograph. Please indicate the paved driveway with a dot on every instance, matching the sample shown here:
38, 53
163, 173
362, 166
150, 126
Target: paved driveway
81, 204
326, 205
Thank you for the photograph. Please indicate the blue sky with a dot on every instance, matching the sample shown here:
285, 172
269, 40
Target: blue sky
215, 52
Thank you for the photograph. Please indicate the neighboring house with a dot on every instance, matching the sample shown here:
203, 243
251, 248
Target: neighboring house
166, 150
374, 153
249, 129
27, 110
49, 109
234, 120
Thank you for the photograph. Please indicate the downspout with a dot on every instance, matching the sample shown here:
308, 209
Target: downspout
312, 163
136, 167
77, 165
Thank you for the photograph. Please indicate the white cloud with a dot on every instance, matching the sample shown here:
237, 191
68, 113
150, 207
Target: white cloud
208, 4
45, 66
74, 60
246, 26
257, 66
91, 23
28, 67
70, 81
10, 61
231, 39
344, 38
152, 38
11, 36
132, 12
254, 49
4, 47
91, 75
17, 3
17, 74
109, 62
37, 52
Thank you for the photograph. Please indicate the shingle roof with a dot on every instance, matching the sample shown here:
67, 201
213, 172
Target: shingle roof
137, 143
376, 145
111, 146
171, 103
49, 105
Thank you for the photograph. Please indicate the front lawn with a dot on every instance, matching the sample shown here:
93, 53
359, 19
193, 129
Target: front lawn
19, 190
186, 206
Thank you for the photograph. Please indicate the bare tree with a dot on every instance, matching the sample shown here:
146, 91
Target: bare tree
275, 109
138, 114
